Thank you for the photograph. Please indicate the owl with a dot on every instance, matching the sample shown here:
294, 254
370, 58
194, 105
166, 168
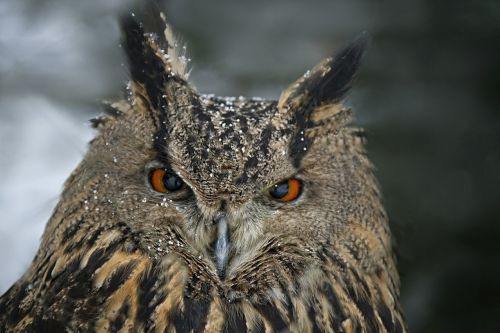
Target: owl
197, 213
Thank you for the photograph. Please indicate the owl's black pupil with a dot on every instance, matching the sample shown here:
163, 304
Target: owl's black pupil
172, 182
278, 191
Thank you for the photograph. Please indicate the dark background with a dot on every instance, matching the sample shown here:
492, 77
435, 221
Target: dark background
427, 94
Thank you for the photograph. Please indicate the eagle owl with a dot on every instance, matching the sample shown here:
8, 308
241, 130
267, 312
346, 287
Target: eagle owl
197, 213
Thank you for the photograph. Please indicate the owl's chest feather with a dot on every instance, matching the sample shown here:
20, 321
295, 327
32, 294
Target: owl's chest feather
111, 290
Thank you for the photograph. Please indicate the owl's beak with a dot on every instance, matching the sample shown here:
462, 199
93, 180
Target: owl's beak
222, 244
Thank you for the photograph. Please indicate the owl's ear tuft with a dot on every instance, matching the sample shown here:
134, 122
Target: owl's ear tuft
154, 52
313, 103
331, 86
154, 62
329, 81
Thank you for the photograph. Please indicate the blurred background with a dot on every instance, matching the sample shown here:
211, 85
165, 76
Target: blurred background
427, 94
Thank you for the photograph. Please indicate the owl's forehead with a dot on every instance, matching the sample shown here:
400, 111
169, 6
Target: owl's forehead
226, 125
226, 141
235, 116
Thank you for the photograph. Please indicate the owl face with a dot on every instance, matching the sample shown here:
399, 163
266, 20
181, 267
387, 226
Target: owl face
232, 172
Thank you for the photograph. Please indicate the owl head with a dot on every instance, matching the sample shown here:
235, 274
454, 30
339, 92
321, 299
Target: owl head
233, 174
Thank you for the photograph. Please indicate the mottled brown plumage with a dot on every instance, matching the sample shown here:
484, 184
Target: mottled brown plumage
219, 254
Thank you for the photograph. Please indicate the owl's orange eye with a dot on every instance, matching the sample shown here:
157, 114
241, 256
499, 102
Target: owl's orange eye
287, 190
163, 181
